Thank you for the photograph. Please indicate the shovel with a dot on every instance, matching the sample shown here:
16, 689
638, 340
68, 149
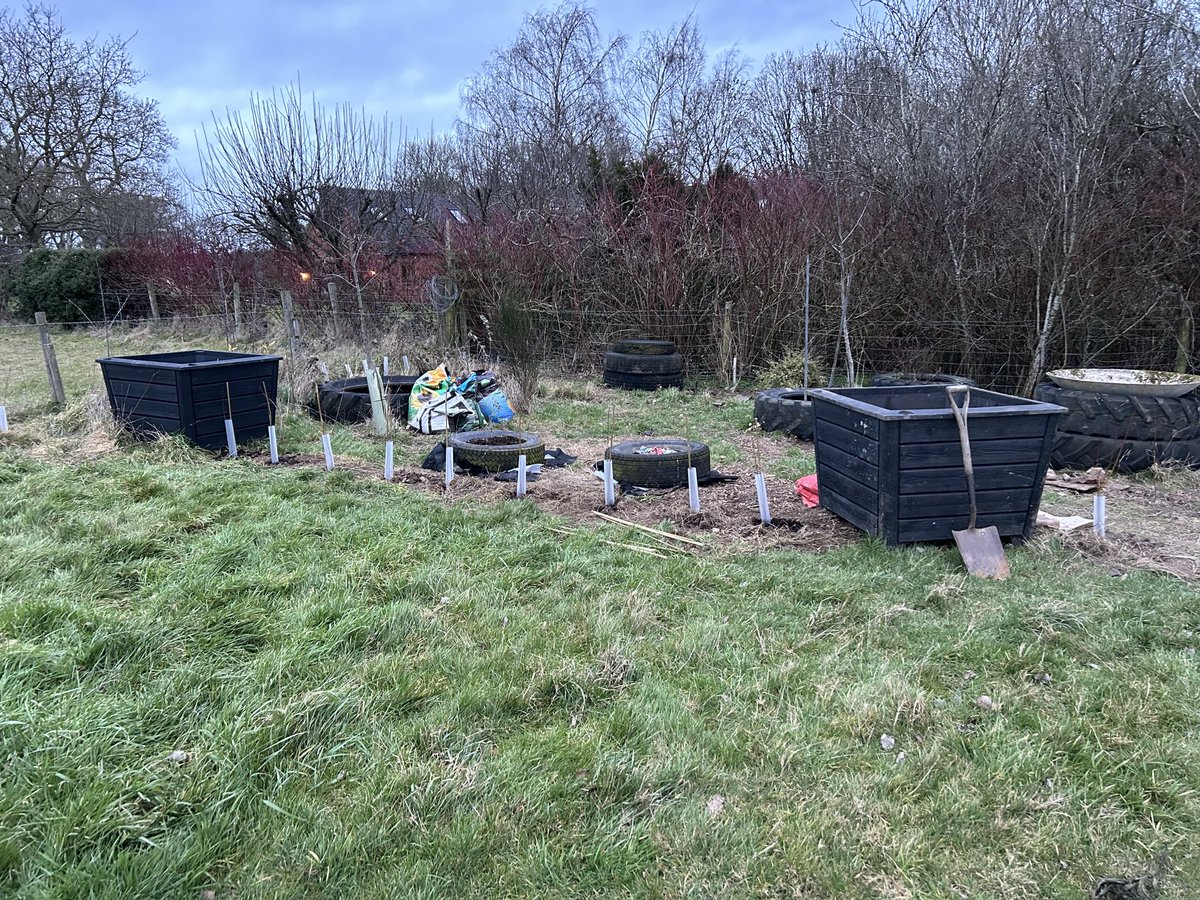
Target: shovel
979, 547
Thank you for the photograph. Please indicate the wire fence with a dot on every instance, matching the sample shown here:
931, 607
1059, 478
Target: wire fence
716, 346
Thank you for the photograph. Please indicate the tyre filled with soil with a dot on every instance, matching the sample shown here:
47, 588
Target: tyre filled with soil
497, 451
658, 462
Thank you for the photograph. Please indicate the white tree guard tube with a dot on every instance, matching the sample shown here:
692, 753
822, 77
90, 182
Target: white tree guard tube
521, 475
1099, 523
3, 418
404, 362
385, 367
760, 487
273, 438
230, 440
449, 465
693, 490
388, 459
328, 448
610, 491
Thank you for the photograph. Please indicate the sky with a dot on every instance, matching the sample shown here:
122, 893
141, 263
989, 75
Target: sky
405, 58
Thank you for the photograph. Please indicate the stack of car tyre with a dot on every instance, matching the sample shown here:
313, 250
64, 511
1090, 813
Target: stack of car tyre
1121, 432
643, 365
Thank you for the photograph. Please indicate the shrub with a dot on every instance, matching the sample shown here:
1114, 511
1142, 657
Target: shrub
788, 371
64, 284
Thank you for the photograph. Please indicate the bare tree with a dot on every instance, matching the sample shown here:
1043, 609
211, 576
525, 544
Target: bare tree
538, 106
328, 187
74, 139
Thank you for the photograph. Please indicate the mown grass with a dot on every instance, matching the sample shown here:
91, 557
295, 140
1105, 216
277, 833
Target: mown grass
380, 694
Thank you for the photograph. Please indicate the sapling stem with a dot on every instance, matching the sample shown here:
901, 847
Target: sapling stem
521, 475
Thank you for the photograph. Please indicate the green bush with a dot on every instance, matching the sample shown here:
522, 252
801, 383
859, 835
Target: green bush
788, 371
64, 284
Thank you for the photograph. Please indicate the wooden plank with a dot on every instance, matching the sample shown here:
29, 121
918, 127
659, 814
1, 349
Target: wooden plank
134, 390
852, 421
889, 477
914, 506
219, 409
830, 435
263, 371
241, 387
983, 453
859, 469
830, 480
138, 406
951, 478
939, 528
853, 514
979, 427
163, 392
139, 374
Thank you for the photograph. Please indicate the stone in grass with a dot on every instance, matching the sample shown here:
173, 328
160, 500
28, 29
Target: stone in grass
887, 742
986, 703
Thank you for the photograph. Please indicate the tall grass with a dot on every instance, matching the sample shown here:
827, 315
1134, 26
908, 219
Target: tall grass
274, 683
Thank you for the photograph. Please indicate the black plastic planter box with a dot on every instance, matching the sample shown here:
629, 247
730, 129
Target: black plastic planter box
191, 392
889, 460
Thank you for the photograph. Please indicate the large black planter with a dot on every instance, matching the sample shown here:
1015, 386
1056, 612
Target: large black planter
889, 460
191, 392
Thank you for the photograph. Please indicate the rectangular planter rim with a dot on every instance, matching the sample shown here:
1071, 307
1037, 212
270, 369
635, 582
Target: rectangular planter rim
148, 361
1021, 407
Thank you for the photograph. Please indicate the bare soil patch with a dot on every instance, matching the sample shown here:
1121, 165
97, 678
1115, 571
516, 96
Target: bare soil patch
729, 511
1153, 523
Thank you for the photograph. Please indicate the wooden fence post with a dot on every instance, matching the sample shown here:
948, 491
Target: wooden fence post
726, 346
237, 312
56, 385
153, 301
290, 323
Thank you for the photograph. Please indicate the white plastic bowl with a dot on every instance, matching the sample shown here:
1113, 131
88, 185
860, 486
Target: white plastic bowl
1131, 382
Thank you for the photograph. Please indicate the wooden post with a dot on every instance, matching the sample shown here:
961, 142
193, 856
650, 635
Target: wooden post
1183, 341
331, 288
727, 337
237, 311
56, 385
290, 323
153, 301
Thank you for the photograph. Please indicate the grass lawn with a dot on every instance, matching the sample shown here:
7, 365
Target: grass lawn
280, 682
